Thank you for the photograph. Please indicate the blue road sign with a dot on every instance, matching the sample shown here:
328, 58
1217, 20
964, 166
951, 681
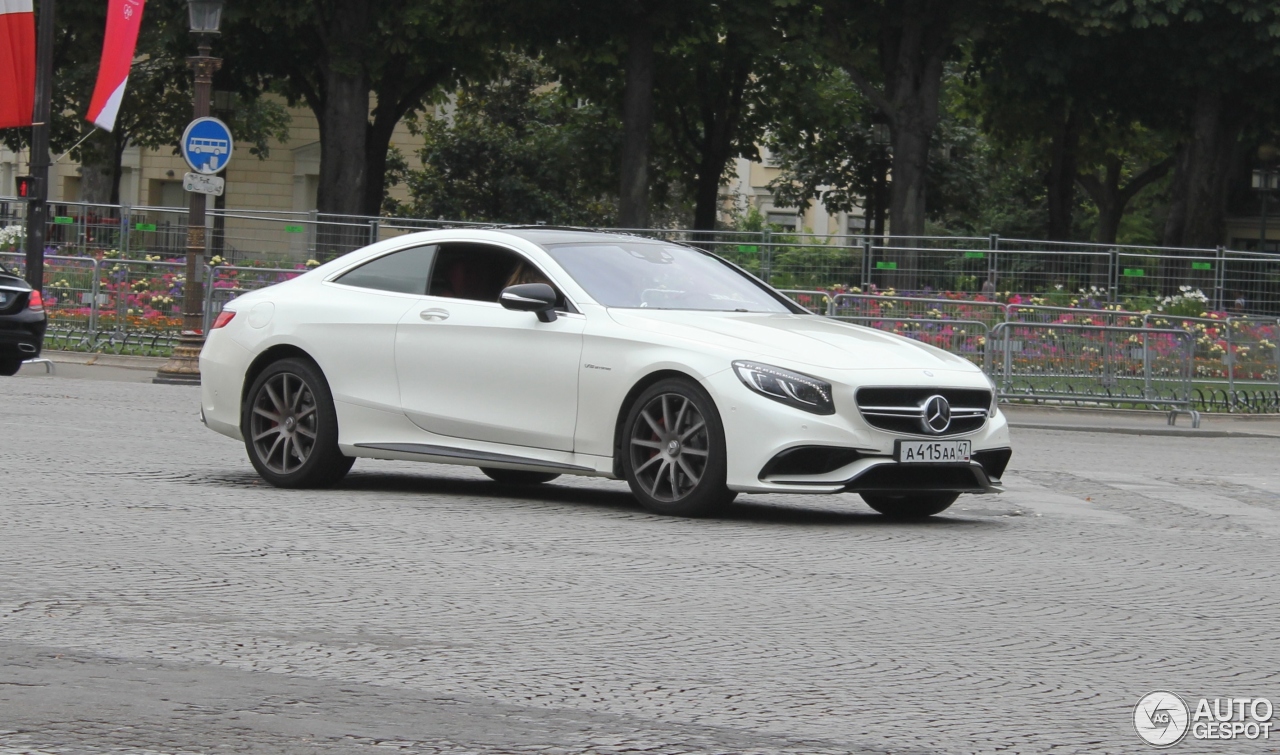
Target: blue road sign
206, 145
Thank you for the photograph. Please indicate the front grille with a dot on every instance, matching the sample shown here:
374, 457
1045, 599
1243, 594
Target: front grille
902, 410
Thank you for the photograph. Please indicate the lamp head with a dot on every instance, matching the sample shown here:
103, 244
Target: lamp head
205, 15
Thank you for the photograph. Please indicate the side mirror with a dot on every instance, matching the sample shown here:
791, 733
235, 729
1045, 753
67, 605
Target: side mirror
538, 298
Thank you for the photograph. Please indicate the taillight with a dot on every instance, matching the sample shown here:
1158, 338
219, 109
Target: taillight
223, 318
35, 302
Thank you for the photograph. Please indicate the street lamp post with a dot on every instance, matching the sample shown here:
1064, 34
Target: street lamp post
183, 368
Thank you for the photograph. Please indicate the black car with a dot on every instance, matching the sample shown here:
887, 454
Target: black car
22, 322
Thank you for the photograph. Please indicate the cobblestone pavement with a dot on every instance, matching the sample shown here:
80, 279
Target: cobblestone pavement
155, 597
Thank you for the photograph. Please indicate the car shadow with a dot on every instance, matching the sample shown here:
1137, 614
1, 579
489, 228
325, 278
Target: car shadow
398, 482
799, 510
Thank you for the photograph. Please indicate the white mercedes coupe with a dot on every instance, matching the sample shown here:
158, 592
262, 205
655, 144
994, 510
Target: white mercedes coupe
536, 352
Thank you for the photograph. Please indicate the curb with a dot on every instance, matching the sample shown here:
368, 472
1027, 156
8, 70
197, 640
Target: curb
105, 360
1174, 432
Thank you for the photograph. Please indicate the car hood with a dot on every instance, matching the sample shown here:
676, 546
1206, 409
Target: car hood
804, 339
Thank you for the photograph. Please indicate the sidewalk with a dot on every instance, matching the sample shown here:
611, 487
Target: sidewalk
86, 366
1130, 422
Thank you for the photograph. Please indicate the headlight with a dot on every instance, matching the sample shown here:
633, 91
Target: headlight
791, 388
995, 396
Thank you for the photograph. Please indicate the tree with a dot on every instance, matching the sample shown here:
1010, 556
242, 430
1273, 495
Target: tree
896, 53
1046, 82
334, 55
518, 149
721, 86
609, 54
1219, 57
827, 152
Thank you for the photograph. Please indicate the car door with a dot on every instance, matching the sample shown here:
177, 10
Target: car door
468, 368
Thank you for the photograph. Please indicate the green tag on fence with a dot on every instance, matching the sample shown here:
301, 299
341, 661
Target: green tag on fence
974, 255
1201, 265
294, 229
63, 220
886, 266
144, 227
745, 249
1134, 272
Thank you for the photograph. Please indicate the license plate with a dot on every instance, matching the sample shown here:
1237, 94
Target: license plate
932, 451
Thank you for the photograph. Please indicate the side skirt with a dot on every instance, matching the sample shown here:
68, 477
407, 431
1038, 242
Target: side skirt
477, 457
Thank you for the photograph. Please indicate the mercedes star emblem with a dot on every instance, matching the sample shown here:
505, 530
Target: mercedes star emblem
937, 414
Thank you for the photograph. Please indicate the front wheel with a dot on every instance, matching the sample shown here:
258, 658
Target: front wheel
910, 505
673, 454
518, 476
291, 428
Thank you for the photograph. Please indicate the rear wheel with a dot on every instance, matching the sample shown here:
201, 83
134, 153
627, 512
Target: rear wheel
10, 367
910, 505
518, 476
673, 454
291, 428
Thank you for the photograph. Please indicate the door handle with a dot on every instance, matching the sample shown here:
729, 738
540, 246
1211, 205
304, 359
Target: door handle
434, 314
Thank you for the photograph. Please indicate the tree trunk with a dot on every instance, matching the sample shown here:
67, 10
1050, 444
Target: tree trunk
344, 118
912, 60
1176, 220
1061, 181
907, 187
1205, 170
97, 170
378, 142
915, 36
342, 147
637, 125
1105, 193
706, 196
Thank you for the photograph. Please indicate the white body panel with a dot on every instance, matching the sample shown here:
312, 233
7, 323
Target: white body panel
493, 387
456, 361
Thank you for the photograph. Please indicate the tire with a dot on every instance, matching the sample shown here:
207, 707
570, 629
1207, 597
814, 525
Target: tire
679, 472
910, 505
10, 367
518, 476
302, 450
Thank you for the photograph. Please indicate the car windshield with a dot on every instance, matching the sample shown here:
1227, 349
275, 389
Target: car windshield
661, 276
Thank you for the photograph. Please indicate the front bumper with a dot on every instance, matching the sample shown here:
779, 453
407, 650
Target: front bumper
842, 452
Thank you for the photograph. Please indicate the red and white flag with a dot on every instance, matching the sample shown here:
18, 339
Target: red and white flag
124, 18
17, 62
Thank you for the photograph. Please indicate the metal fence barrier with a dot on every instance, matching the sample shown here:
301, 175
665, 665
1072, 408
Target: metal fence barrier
114, 279
920, 267
1093, 365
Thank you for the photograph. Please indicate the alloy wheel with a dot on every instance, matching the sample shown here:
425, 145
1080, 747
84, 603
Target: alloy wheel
284, 423
669, 447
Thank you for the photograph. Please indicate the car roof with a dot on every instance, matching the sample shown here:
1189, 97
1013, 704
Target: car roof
543, 236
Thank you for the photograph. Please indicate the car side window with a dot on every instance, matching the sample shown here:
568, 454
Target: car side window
404, 272
479, 272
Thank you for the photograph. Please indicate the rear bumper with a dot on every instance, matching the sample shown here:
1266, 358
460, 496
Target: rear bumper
22, 335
